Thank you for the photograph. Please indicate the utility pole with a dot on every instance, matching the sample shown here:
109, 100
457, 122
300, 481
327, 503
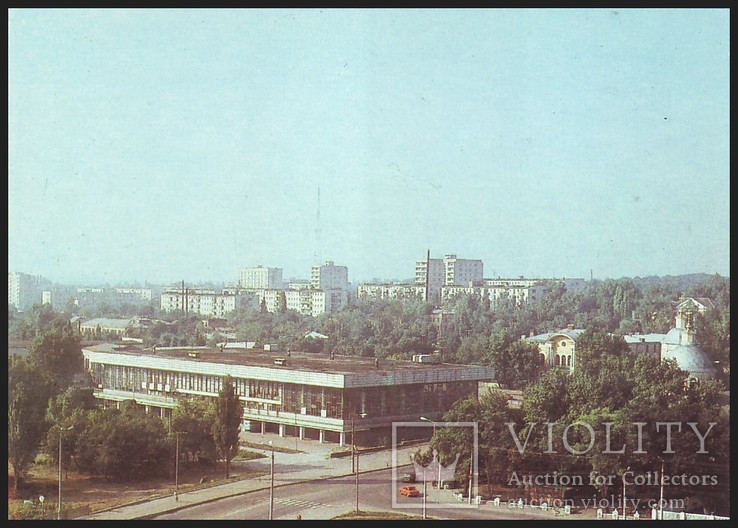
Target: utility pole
176, 467
425, 494
357, 481
624, 513
471, 473
661, 493
271, 485
353, 444
59, 506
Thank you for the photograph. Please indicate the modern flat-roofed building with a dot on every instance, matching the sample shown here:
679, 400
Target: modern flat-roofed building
449, 271
329, 277
306, 301
303, 395
260, 278
24, 290
93, 327
204, 302
390, 291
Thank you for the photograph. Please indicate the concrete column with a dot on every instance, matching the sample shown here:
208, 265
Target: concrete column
262, 427
302, 432
322, 436
342, 439
281, 430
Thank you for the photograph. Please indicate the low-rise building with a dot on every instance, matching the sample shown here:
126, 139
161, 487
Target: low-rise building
390, 291
307, 395
205, 302
102, 325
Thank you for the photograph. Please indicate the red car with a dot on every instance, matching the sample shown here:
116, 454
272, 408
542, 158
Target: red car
409, 491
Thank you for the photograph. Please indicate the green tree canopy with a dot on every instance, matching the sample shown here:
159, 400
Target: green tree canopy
227, 424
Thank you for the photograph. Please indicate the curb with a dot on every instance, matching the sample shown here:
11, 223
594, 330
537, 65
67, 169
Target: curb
226, 496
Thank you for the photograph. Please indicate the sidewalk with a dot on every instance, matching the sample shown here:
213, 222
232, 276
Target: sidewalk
290, 468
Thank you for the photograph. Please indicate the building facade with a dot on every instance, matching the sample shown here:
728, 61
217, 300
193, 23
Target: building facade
24, 290
390, 291
306, 301
94, 328
305, 395
434, 274
260, 277
329, 277
204, 302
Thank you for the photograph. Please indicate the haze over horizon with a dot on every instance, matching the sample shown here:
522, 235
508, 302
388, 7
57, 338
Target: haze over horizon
160, 145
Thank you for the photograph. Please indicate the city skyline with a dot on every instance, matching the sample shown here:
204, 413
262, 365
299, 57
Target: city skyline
161, 145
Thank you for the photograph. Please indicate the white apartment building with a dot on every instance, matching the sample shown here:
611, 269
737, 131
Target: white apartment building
449, 271
390, 291
306, 301
24, 290
430, 273
462, 271
143, 294
261, 278
329, 277
518, 295
204, 302
299, 284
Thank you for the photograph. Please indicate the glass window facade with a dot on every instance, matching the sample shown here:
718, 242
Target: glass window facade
374, 402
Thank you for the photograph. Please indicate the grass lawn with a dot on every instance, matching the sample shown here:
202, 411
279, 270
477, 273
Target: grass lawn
83, 494
353, 516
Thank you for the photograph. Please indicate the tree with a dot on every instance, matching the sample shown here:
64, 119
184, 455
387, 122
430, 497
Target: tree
28, 394
67, 414
123, 444
229, 411
57, 353
196, 418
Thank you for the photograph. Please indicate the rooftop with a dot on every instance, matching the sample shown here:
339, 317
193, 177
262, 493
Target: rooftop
297, 361
108, 323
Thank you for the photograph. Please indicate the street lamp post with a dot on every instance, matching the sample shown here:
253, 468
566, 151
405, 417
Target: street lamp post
355, 453
271, 485
59, 507
624, 512
425, 495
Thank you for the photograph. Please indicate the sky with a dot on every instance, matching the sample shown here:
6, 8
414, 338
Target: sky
163, 145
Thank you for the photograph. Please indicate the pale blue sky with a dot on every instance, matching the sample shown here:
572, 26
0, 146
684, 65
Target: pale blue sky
164, 145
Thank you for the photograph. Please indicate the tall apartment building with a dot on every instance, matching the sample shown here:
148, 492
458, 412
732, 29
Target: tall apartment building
261, 278
329, 277
24, 290
448, 271
204, 302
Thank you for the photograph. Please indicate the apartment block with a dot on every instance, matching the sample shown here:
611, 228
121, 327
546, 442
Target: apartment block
24, 290
448, 271
204, 302
261, 278
329, 277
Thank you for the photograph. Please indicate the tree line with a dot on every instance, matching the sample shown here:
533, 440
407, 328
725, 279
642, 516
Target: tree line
611, 391
50, 402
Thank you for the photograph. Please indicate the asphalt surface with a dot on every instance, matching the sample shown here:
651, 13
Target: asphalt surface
334, 496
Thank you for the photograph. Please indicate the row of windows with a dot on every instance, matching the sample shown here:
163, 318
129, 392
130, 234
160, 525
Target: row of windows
287, 397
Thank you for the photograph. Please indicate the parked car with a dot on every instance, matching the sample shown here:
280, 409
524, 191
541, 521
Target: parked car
407, 477
409, 491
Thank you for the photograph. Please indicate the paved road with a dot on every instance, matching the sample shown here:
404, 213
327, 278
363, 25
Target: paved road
331, 497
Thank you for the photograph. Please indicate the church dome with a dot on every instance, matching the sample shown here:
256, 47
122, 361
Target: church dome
690, 358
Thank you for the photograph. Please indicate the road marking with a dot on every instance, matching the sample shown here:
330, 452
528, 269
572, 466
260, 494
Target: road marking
302, 502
